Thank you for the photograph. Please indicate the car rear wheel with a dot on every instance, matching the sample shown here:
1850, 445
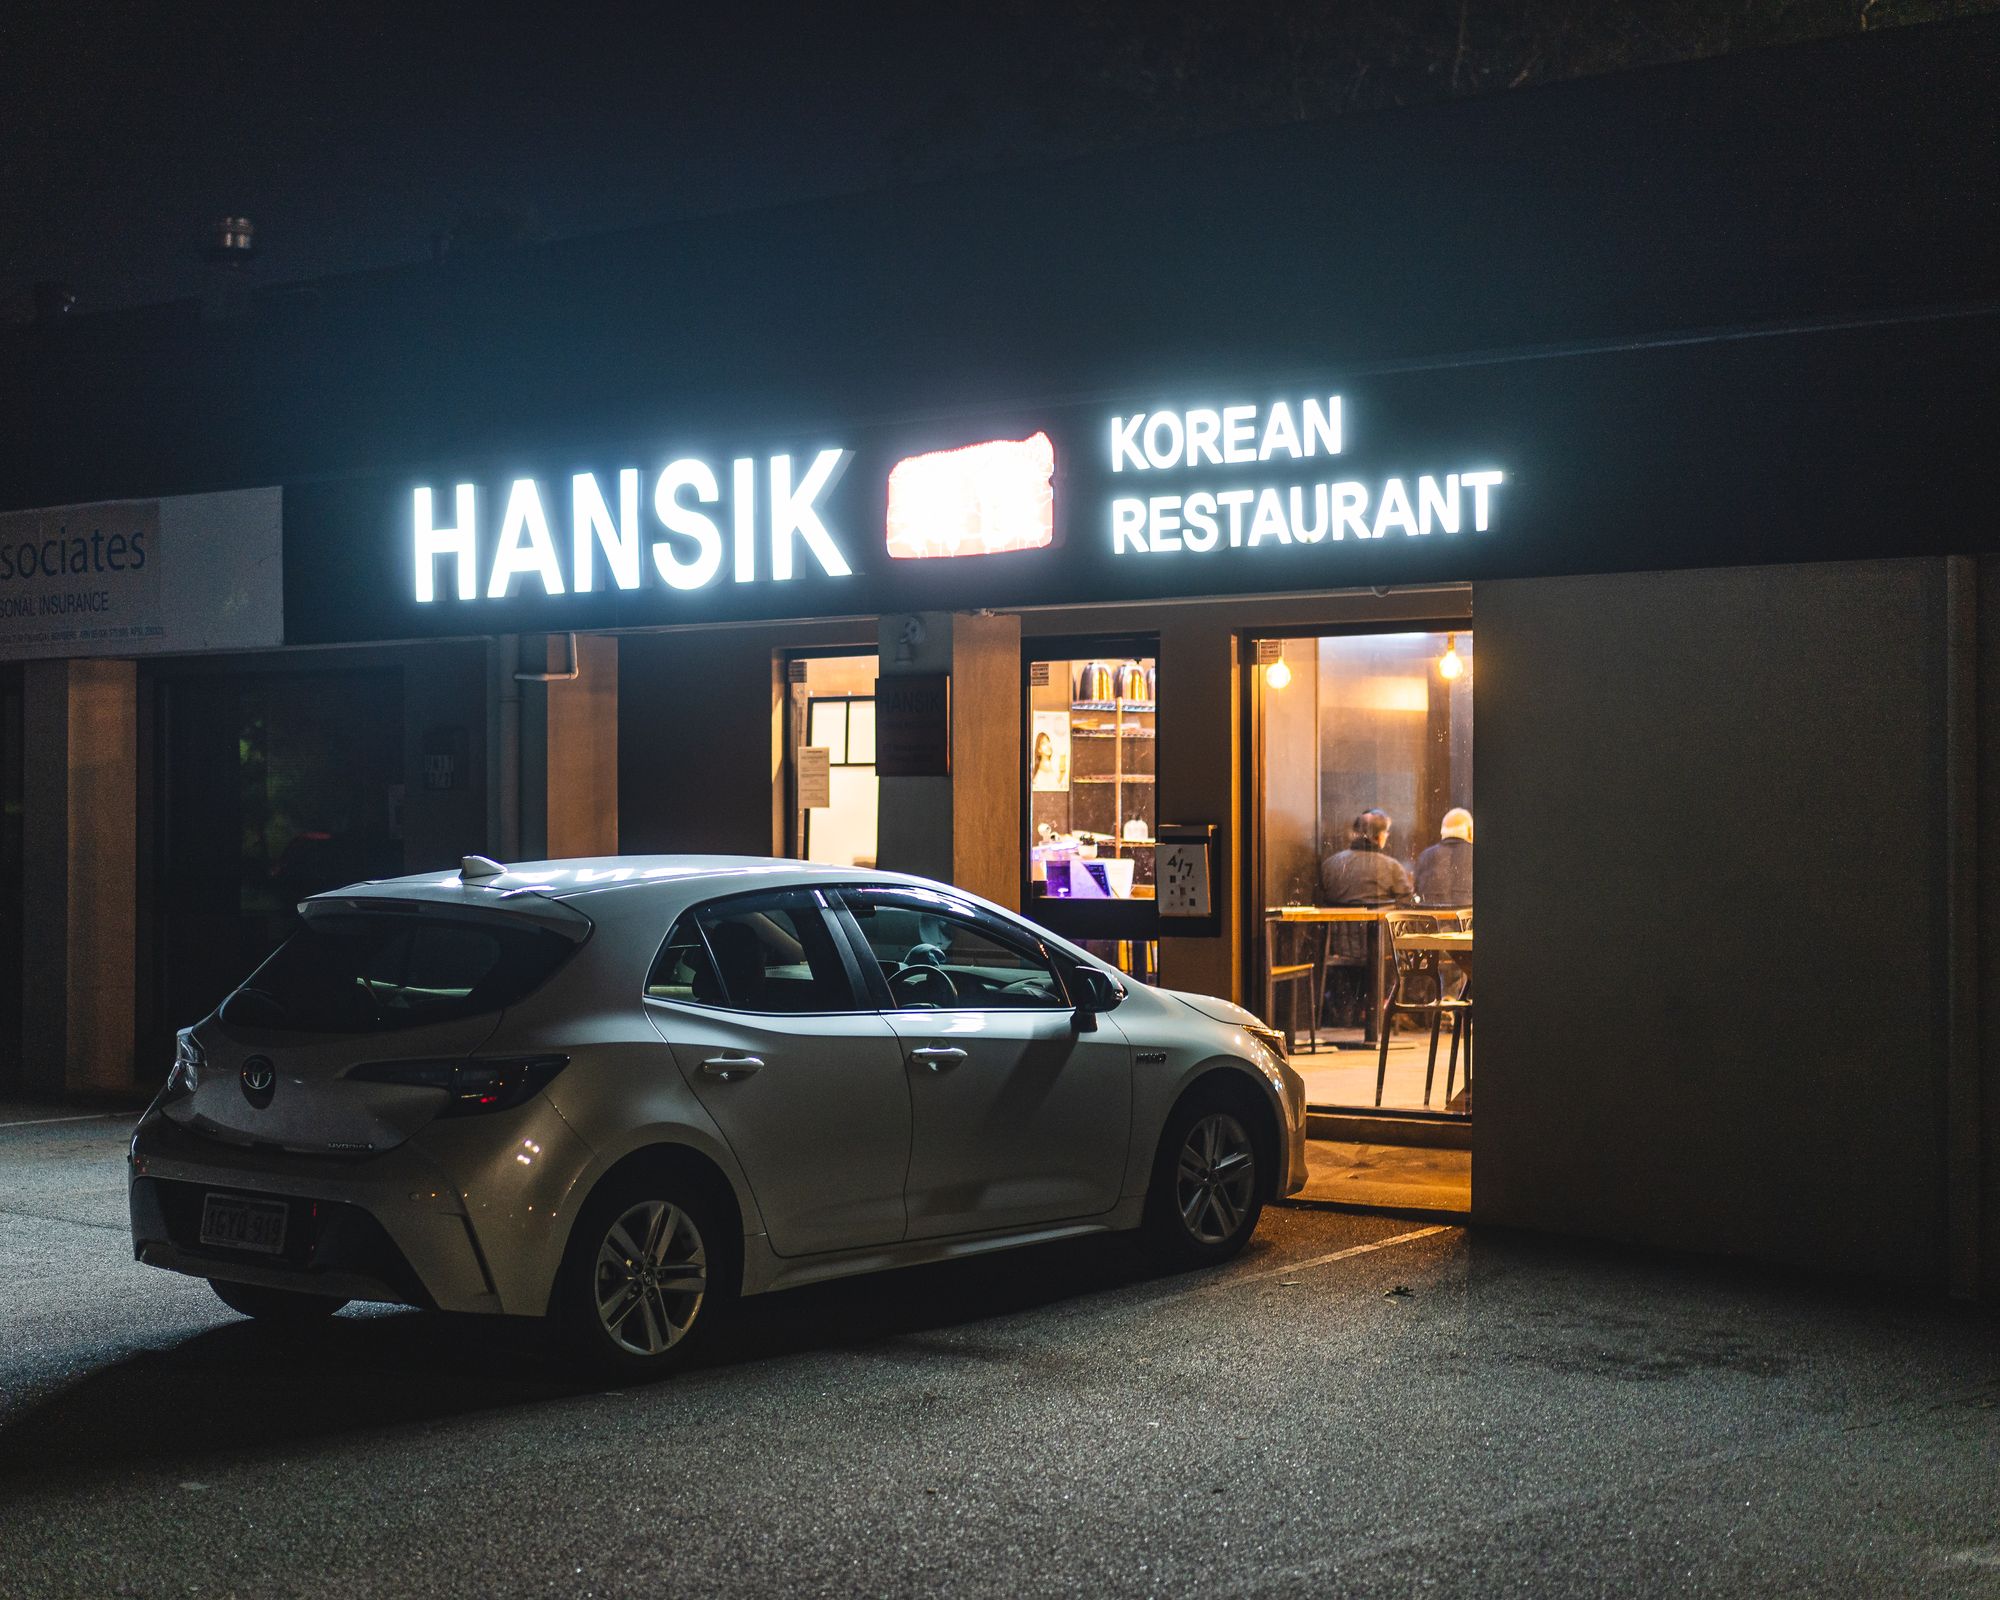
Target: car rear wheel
1208, 1190
279, 1308
648, 1274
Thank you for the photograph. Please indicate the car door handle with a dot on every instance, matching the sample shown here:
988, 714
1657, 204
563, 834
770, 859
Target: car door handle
938, 1057
730, 1068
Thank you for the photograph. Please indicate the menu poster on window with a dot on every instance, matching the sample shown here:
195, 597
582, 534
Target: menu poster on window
1182, 871
815, 776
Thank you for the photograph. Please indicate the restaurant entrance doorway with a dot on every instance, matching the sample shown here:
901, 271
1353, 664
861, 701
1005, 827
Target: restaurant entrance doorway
830, 720
1364, 843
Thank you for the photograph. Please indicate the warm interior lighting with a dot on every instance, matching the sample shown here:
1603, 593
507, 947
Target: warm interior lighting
1450, 665
1277, 674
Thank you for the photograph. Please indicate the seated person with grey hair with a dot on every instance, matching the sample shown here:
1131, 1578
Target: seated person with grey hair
1365, 874
1444, 872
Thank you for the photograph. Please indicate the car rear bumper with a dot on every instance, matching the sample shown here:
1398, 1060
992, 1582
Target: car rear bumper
393, 1227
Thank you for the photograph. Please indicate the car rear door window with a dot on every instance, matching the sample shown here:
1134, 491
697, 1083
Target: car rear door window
939, 953
765, 952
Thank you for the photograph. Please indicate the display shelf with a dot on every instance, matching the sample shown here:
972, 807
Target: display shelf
1138, 707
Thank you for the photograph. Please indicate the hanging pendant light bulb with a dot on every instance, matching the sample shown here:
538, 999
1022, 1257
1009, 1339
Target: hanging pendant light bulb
1277, 674
1450, 664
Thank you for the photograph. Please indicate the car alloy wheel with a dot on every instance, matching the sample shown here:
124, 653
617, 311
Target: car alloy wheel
651, 1277
1215, 1178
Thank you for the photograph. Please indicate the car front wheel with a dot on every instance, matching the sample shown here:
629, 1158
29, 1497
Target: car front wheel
646, 1277
1207, 1190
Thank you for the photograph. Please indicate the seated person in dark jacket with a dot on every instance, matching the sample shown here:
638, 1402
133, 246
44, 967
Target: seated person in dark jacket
1444, 872
1365, 874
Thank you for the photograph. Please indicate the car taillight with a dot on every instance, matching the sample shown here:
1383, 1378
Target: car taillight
185, 1077
482, 1083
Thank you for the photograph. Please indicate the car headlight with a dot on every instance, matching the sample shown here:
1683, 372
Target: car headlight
1272, 1039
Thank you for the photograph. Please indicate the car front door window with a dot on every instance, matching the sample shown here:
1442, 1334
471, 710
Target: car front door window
935, 955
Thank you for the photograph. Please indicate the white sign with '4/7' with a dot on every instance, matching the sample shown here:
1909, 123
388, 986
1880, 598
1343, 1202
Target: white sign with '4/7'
1182, 877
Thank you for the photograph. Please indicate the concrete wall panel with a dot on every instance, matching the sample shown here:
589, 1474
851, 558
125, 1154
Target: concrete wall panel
1712, 912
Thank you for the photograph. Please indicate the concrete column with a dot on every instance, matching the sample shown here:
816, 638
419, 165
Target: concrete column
79, 903
568, 755
966, 828
582, 768
1201, 734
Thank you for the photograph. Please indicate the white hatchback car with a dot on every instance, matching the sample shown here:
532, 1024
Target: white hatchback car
620, 1092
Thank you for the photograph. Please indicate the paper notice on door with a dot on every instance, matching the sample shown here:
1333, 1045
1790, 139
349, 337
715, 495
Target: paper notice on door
815, 776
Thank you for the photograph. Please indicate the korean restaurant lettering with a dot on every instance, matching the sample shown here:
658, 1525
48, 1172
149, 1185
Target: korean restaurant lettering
1234, 504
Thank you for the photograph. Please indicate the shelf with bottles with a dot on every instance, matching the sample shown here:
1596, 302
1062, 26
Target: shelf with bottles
1142, 708
1085, 730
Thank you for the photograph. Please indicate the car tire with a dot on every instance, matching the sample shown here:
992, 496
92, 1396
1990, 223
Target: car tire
277, 1308
651, 1270
1208, 1183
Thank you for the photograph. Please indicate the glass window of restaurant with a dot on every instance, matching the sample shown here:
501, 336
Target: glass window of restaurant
1090, 747
830, 706
1364, 850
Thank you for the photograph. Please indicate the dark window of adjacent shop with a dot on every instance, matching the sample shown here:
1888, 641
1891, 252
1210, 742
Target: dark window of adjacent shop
1092, 817
1364, 864
271, 787
12, 888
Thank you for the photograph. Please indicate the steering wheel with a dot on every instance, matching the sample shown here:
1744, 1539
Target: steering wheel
920, 985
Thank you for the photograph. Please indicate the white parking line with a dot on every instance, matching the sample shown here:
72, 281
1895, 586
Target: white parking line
1341, 1255
95, 1116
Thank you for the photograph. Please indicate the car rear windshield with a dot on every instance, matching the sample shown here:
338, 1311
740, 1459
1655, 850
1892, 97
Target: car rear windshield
376, 972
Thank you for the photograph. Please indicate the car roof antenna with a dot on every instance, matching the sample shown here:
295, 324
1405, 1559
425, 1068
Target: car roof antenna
477, 869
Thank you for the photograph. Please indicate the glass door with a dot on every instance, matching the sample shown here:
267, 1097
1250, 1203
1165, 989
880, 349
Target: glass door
272, 787
1363, 944
830, 715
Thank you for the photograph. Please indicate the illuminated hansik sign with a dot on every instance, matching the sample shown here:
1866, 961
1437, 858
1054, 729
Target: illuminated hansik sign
685, 550
1245, 446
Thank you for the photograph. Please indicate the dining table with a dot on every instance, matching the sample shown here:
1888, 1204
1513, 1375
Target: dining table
1321, 920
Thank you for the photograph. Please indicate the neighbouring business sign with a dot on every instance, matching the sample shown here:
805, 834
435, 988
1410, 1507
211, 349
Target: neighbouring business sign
142, 577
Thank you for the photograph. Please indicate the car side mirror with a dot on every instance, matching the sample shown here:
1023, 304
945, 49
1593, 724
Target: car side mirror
1095, 991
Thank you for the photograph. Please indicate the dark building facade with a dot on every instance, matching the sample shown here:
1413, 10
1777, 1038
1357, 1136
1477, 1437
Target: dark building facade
1107, 539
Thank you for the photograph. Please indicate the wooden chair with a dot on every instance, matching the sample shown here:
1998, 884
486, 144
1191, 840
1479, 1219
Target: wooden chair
1422, 983
1291, 976
1343, 947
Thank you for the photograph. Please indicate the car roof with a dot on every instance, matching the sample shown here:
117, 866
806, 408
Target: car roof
552, 893
522, 883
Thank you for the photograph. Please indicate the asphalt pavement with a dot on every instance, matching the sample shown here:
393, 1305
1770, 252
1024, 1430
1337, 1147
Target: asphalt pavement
1360, 1405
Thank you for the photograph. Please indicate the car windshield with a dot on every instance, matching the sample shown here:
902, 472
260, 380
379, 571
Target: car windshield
374, 973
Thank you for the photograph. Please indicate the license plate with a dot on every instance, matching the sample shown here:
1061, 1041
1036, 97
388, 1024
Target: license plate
234, 1223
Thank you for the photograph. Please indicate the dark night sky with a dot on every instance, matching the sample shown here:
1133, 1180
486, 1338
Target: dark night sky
352, 139
354, 135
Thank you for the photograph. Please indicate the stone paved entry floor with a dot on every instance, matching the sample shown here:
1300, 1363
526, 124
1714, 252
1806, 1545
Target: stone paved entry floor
1388, 1175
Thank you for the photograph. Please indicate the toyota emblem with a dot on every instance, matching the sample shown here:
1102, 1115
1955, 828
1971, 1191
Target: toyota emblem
259, 1079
